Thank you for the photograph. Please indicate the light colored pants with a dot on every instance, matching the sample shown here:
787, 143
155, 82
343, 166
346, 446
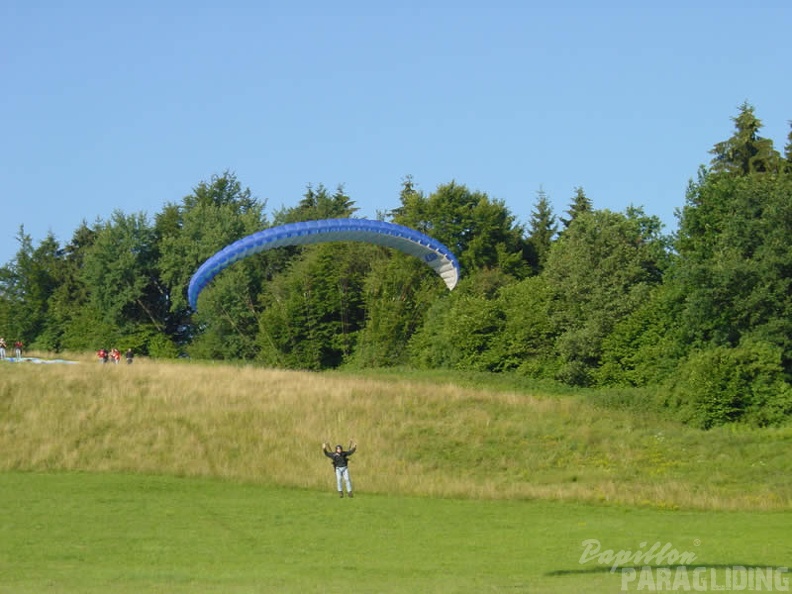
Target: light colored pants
342, 473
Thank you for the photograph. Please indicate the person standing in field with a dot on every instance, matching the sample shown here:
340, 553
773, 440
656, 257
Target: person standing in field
18, 346
341, 465
2, 348
129, 356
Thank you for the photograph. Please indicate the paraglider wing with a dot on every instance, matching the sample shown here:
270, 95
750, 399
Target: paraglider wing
404, 239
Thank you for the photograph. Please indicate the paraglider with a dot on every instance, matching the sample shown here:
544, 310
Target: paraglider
411, 242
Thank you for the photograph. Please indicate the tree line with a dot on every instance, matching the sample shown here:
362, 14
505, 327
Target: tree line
698, 322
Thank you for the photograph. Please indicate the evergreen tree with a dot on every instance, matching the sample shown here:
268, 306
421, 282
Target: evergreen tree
746, 151
312, 312
26, 285
317, 204
735, 261
580, 204
542, 231
731, 287
69, 323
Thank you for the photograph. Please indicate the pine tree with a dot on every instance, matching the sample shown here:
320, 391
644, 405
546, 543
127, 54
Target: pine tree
745, 152
580, 204
543, 229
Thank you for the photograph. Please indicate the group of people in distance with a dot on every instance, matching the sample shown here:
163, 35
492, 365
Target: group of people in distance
339, 456
18, 346
114, 355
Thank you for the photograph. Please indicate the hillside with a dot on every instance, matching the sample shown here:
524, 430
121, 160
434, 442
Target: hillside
416, 437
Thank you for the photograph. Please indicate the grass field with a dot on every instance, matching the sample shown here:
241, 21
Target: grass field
162, 477
78, 532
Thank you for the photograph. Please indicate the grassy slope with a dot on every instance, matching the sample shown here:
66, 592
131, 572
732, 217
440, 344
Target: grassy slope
417, 436
460, 489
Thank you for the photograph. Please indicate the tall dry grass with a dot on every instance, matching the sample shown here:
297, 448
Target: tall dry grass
415, 438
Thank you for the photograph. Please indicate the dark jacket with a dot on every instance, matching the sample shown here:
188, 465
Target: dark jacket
340, 458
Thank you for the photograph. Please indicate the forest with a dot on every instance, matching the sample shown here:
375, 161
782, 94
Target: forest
697, 323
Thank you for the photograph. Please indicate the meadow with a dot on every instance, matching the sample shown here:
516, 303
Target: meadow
209, 478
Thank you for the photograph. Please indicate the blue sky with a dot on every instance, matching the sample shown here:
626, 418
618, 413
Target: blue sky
111, 105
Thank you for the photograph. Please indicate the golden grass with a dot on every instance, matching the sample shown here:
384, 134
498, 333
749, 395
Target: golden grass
259, 425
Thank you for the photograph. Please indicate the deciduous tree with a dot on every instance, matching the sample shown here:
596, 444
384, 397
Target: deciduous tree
601, 269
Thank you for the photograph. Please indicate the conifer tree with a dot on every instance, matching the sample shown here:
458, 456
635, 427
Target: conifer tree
580, 204
745, 152
543, 229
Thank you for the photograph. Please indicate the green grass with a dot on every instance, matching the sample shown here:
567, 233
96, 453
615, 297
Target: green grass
83, 532
419, 435
163, 477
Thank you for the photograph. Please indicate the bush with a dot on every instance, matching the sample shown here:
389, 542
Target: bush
725, 385
161, 347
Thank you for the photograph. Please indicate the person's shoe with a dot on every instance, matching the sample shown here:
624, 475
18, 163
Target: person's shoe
350, 494
341, 494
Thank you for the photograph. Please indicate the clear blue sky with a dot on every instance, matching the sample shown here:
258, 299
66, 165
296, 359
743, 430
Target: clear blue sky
129, 105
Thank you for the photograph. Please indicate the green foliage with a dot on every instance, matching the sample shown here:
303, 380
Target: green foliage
645, 347
317, 204
70, 297
89, 330
312, 312
581, 204
121, 283
228, 316
745, 152
601, 269
158, 347
26, 286
788, 151
119, 271
542, 231
481, 232
525, 342
214, 215
605, 302
460, 328
724, 385
735, 260
397, 293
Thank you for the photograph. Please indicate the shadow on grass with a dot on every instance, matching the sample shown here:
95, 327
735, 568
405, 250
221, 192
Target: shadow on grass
690, 568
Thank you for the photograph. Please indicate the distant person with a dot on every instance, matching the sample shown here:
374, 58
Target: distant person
103, 355
341, 465
115, 355
18, 346
2, 348
129, 356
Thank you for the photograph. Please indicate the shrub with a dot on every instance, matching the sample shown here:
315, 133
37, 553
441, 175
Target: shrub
724, 385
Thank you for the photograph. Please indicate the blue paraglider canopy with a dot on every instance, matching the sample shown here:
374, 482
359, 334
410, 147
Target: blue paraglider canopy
411, 242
